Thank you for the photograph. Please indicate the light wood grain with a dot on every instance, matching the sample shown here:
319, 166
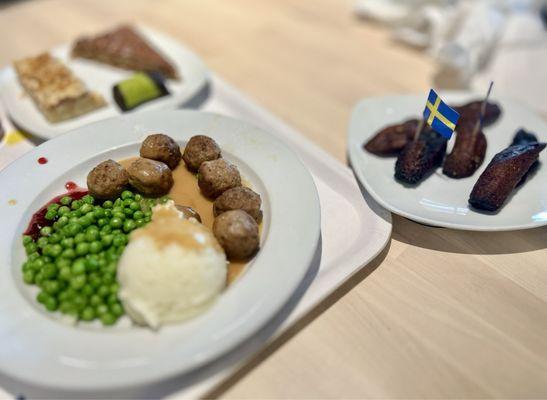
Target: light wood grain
441, 313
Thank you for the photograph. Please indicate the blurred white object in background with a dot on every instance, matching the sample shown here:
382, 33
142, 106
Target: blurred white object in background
474, 41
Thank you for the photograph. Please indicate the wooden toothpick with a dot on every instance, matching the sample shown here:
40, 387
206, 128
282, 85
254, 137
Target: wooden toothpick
419, 129
478, 125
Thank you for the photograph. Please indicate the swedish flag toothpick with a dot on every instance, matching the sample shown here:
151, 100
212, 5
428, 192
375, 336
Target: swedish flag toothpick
440, 116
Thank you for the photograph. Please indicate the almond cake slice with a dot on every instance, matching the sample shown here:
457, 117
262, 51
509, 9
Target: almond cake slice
54, 88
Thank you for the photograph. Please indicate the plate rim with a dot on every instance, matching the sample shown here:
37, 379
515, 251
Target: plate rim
354, 151
311, 248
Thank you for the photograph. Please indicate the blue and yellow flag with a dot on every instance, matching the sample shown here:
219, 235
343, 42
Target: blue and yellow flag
439, 116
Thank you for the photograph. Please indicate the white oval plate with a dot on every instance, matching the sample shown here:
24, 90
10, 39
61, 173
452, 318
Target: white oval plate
101, 78
37, 347
439, 200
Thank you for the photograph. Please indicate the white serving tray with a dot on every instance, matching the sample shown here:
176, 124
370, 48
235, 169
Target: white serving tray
355, 229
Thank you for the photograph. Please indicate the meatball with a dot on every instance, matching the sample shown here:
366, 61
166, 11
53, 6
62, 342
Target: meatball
162, 148
239, 198
199, 149
107, 180
189, 212
237, 233
150, 177
217, 176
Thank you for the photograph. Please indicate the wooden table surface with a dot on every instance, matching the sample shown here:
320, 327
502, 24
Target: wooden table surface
440, 313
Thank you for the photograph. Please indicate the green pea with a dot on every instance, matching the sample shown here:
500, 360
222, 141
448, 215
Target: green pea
65, 273
51, 304
63, 262
114, 288
82, 248
52, 287
80, 301
76, 204
68, 253
38, 264
38, 278
108, 204
92, 234
118, 214
62, 221
148, 214
87, 314
116, 222
28, 277
88, 199
116, 309
128, 212
99, 213
27, 266
42, 242
67, 243
108, 213
110, 268
46, 231
138, 215
79, 238
71, 293
108, 279
27, 239
95, 247
106, 240
74, 214
108, 319
119, 240
103, 291
66, 200
140, 223
42, 297
85, 221
53, 250
51, 215
127, 202
88, 290
127, 194
100, 309
138, 197
78, 282
86, 208
112, 299
129, 225
112, 257
102, 222
49, 271
55, 238
95, 300
92, 262
78, 266
66, 307
72, 229
33, 256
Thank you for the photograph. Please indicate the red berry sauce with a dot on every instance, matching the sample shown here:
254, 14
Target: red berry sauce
42, 160
38, 220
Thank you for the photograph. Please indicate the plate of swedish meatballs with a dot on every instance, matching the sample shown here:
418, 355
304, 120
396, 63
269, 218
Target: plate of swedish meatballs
488, 179
138, 248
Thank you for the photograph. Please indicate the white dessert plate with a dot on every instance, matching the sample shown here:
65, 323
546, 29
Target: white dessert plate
101, 78
440, 200
37, 347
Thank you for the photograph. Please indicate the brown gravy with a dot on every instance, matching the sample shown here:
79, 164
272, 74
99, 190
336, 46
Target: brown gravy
185, 192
